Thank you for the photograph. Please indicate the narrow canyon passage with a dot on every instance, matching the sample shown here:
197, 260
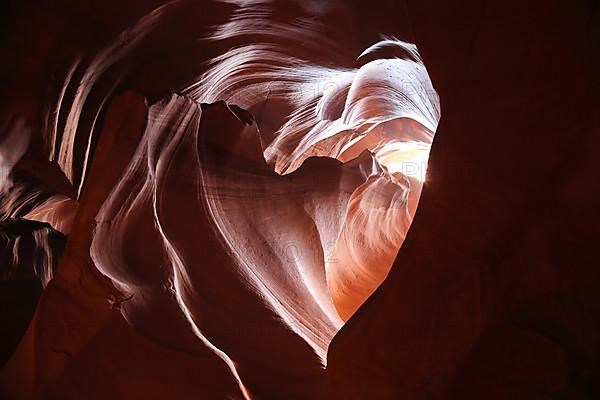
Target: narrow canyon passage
234, 199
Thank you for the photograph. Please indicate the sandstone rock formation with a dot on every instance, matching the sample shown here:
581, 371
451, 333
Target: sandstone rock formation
267, 199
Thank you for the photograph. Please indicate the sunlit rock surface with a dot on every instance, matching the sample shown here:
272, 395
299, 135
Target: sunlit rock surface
214, 200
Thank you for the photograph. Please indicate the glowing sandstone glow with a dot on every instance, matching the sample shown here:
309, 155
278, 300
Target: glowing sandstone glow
387, 106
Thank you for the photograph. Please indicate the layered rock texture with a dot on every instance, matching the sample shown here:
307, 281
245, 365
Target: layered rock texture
268, 199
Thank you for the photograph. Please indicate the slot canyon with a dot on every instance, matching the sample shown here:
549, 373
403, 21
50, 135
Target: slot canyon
299, 199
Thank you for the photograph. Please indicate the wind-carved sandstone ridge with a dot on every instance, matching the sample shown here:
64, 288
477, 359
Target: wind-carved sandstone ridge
213, 196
